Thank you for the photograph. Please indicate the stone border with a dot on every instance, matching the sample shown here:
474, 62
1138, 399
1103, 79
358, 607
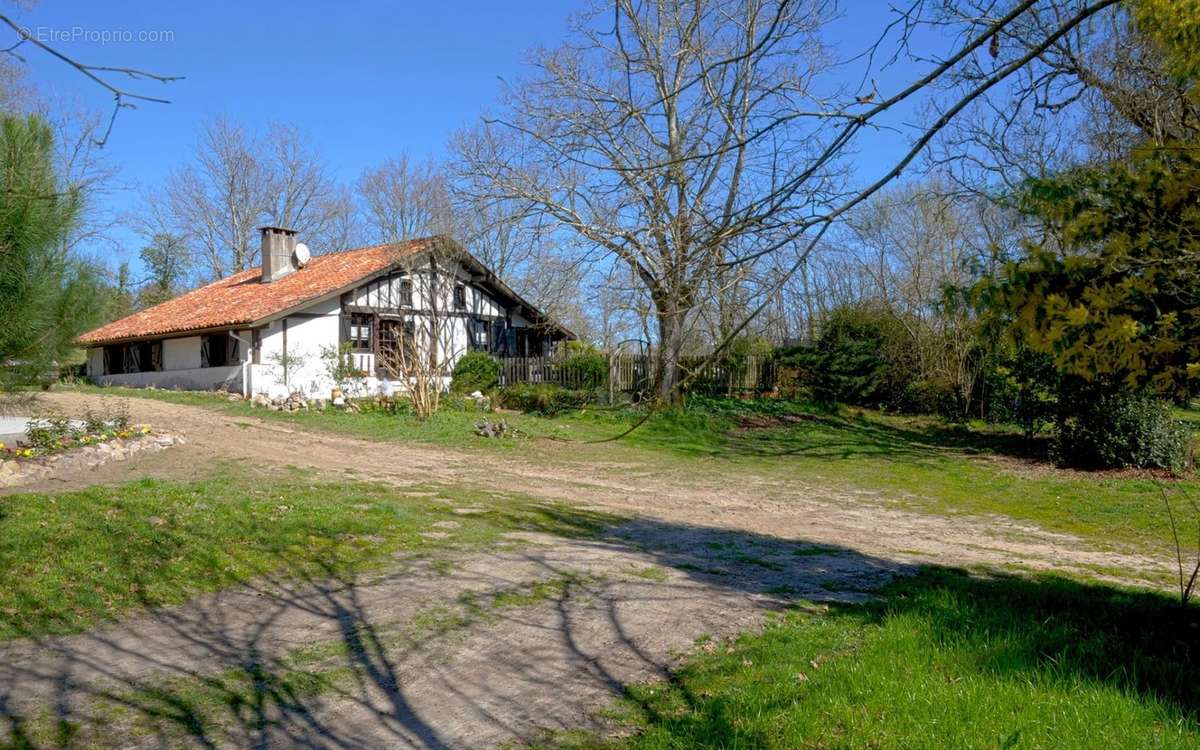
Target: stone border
14, 472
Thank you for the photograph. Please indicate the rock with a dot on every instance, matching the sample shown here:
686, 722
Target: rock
491, 429
234, 397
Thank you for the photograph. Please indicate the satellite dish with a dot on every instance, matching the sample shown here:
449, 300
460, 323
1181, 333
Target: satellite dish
302, 255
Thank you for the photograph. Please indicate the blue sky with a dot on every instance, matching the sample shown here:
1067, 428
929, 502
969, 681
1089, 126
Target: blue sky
365, 80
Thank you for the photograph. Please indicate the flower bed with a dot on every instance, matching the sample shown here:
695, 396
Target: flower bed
55, 433
18, 468
54, 443
74, 439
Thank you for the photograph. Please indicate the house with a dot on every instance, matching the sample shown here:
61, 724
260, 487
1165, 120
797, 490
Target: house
275, 330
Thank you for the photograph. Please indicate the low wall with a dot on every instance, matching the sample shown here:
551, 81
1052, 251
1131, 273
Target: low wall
198, 379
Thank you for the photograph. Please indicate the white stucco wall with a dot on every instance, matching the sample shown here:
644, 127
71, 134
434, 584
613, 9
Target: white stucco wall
181, 354
95, 362
308, 333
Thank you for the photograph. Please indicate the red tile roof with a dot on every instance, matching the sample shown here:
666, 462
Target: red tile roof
242, 298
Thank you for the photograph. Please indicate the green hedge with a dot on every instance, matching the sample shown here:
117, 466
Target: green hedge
583, 365
475, 371
543, 398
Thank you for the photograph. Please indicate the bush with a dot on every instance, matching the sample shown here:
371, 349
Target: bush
851, 362
583, 365
546, 399
1117, 430
929, 396
45, 433
1020, 387
475, 371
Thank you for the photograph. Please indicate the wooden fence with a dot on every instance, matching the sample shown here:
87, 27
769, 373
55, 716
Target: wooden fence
634, 374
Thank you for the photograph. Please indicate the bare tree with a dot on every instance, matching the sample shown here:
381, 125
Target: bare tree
238, 181
915, 245
505, 232
220, 197
687, 139
302, 193
1093, 94
641, 135
100, 75
402, 200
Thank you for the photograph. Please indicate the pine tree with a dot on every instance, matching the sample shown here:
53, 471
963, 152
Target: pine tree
47, 296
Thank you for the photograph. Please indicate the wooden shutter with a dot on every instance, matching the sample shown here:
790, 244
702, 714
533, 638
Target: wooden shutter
204, 346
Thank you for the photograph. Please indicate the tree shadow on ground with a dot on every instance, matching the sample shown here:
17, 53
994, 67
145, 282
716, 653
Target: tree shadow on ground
424, 657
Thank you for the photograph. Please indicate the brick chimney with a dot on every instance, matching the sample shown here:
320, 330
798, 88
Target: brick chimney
277, 247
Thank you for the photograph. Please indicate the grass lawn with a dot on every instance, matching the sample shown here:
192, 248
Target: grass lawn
74, 559
943, 660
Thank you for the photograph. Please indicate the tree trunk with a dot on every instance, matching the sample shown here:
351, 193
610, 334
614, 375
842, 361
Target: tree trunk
670, 345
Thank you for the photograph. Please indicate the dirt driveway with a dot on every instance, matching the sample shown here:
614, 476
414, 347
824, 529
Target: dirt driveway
707, 553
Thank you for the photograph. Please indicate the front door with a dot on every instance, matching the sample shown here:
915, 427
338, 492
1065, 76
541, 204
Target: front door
387, 343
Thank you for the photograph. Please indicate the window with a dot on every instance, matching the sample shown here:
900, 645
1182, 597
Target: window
460, 297
360, 332
146, 356
479, 335
218, 350
256, 347
114, 360
406, 293
143, 356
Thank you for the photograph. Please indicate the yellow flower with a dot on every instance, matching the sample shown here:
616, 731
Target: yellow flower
1077, 315
1, 445
145, 430
1193, 370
